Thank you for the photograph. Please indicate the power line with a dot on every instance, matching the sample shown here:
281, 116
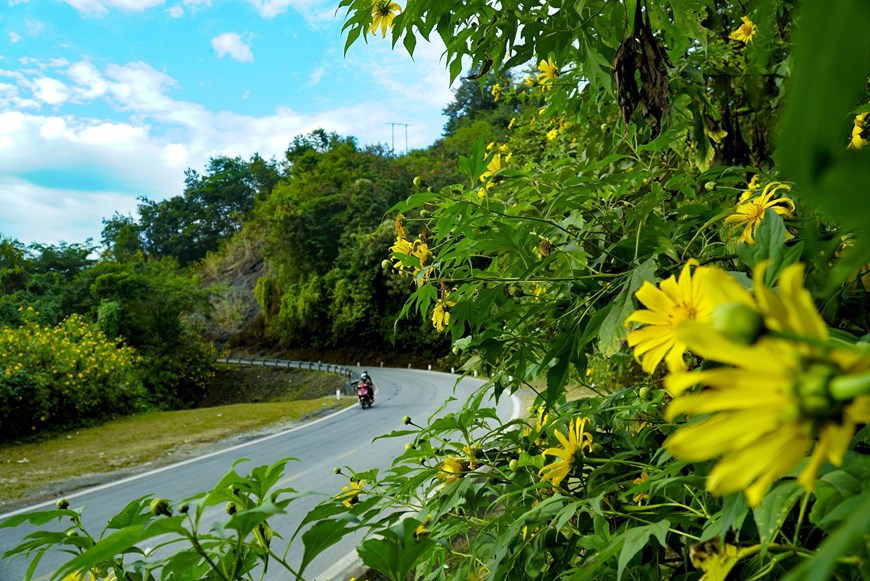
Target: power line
393, 132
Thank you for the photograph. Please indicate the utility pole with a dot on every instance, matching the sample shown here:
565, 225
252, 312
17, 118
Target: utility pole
393, 131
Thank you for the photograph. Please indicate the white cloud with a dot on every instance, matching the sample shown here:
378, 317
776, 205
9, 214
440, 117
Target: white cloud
175, 11
314, 78
152, 137
230, 43
102, 7
14, 37
34, 27
50, 91
50, 215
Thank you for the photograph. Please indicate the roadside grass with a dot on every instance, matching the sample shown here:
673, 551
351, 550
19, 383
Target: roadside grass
36, 471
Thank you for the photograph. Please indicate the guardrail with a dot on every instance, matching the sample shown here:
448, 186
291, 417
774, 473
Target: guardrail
349, 385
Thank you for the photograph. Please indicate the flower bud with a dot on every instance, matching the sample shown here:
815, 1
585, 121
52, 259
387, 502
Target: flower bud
514, 465
643, 393
812, 389
337, 470
62, 504
406, 420
710, 186
385, 263
738, 322
160, 507
418, 182
409, 446
231, 508
184, 508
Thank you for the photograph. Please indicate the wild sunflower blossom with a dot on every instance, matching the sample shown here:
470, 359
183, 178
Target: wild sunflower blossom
383, 14
349, 495
549, 73
750, 209
452, 469
772, 401
441, 314
858, 130
496, 164
688, 297
569, 454
402, 246
745, 31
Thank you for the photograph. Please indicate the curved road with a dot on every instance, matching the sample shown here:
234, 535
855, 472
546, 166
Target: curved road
341, 439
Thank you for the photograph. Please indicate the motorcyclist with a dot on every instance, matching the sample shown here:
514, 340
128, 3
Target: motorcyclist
366, 380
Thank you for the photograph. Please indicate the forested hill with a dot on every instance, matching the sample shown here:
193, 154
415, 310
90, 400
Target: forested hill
269, 255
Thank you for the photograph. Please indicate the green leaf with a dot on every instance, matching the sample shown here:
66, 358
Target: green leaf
824, 88
774, 509
118, 543
322, 535
613, 331
398, 551
846, 538
636, 539
37, 518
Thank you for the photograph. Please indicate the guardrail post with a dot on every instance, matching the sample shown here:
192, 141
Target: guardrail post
430, 367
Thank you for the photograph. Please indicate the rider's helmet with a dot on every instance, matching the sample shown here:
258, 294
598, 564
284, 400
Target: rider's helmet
364, 375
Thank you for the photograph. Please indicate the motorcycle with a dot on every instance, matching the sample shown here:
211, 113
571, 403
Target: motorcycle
366, 394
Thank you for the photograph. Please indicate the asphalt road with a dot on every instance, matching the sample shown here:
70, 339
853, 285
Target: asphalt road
341, 439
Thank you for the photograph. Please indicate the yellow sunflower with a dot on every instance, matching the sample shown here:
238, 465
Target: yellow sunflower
570, 452
688, 297
383, 13
549, 73
496, 164
452, 469
858, 141
745, 31
750, 210
349, 495
772, 400
440, 314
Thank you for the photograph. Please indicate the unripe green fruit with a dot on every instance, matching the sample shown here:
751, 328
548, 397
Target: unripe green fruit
738, 322
514, 465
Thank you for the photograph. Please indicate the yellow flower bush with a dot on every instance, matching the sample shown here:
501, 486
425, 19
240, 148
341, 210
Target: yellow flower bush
58, 376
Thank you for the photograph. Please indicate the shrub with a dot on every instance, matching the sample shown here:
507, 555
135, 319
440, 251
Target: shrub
62, 376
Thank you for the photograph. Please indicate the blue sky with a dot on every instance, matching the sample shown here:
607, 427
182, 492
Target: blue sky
103, 101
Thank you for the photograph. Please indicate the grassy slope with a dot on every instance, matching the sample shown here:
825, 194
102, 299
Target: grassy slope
41, 470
